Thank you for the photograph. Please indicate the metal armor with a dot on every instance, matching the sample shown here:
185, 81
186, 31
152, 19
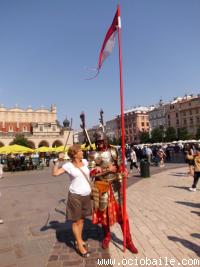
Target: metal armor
103, 159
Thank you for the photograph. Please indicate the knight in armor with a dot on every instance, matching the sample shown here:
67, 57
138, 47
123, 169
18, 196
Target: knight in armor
105, 166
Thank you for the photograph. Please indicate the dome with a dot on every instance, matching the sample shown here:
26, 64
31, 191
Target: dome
66, 123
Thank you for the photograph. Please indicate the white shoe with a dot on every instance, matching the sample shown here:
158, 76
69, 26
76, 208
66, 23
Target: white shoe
1, 221
192, 189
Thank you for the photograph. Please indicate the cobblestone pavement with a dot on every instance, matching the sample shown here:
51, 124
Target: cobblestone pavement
164, 218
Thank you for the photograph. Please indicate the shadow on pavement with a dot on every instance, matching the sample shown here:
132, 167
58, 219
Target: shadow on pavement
189, 204
188, 244
116, 241
196, 235
179, 187
178, 174
64, 232
195, 212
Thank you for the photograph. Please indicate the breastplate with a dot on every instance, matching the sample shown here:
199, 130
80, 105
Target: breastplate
104, 159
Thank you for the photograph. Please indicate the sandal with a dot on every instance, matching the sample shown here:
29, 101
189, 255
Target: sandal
85, 244
84, 255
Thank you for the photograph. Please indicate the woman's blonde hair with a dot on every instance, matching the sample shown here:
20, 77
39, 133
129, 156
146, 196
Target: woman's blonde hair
73, 150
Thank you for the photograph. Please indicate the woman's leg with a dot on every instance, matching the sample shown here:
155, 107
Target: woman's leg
77, 228
81, 227
191, 169
131, 166
137, 167
196, 179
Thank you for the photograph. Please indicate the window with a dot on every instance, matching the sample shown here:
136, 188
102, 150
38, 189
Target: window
191, 121
185, 122
10, 128
190, 112
142, 124
24, 129
41, 128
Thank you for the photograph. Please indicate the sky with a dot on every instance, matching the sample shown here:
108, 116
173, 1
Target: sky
47, 46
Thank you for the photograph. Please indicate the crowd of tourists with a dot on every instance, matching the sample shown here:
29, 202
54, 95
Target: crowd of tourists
158, 154
21, 162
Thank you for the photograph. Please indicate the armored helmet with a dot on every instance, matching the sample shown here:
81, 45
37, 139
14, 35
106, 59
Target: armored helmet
99, 136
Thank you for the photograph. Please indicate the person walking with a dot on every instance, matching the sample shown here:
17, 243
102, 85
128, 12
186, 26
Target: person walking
161, 155
1, 220
196, 171
1, 168
79, 196
190, 161
133, 159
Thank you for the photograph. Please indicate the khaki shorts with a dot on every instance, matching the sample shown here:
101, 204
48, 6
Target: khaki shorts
78, 207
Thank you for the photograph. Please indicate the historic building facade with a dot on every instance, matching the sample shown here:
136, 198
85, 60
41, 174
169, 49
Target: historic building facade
184, 112
39, 126
111, 129
136, 121
181, 112
158, 116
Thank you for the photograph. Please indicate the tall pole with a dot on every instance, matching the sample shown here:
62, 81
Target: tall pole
122, 129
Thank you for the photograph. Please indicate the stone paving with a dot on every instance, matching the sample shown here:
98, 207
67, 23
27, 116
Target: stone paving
164, 218
163, 214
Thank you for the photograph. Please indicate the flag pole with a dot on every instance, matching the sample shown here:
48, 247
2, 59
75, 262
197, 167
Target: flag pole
122, 128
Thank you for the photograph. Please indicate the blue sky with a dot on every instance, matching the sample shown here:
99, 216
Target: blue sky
46, 46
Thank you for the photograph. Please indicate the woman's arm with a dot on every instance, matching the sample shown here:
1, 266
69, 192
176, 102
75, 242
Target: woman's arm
56, 171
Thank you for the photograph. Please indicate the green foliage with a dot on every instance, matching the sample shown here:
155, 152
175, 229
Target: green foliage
170, 134
183, 134
21, 140
144, 137
157, 135
198, 133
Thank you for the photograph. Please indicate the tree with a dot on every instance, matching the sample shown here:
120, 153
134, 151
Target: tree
170, 134
21, 140
144, 137
198, 133
157, 135
182, 134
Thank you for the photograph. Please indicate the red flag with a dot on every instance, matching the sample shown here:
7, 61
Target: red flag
109, 40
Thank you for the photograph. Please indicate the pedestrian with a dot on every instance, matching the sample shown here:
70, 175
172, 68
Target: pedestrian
133, 160
149, 154
1, 170
196, 171
190, 161
1, 220
161, 155
79, 196
105, 165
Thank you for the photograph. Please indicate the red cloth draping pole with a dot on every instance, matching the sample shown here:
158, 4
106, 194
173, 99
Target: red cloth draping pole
122, 128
